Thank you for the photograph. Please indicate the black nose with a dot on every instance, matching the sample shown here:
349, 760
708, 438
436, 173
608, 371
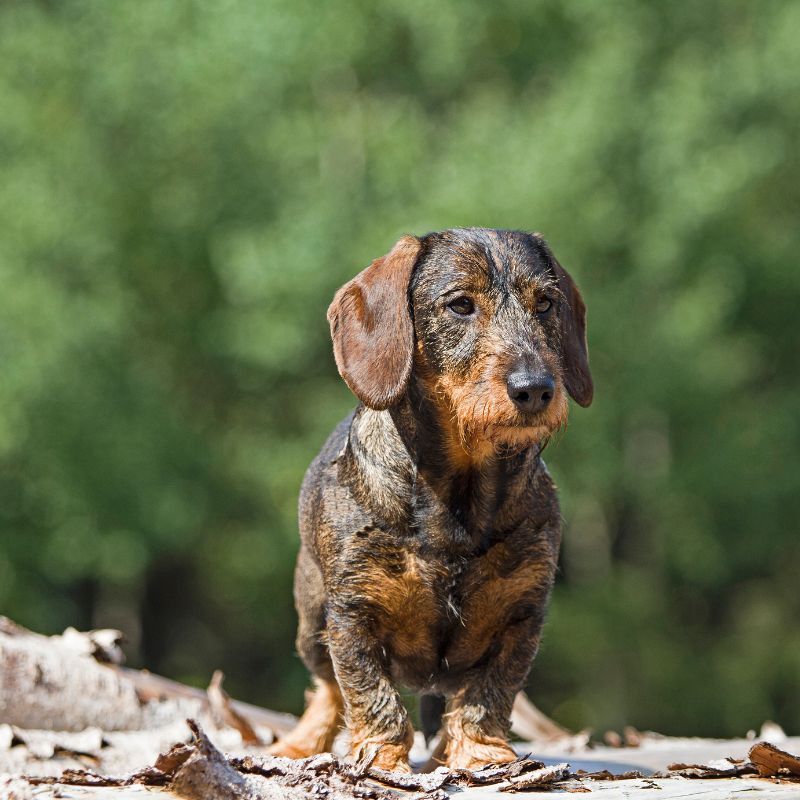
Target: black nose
530, 392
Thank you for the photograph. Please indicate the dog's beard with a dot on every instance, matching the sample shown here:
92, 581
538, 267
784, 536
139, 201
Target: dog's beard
487, 421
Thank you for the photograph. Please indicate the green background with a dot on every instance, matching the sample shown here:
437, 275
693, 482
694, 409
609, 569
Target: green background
185, 184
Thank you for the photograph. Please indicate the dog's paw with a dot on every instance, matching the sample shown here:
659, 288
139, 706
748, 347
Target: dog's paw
466, 753
382, 755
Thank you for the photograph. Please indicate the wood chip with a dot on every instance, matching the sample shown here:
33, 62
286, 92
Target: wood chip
538, 779
605, 775
721, 768
772, 762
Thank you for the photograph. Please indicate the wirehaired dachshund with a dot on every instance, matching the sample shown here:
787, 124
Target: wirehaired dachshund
429, 524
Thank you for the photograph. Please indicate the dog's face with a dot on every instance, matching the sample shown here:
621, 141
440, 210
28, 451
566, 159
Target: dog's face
486, 320
489, 318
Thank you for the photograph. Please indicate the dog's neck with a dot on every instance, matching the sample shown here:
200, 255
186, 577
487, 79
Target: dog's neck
473, 484
398, 463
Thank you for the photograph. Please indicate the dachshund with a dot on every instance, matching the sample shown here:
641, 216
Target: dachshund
429, 525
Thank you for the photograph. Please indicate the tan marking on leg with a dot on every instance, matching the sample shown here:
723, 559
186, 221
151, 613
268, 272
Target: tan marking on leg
318, 726
470, 744
466, 753
473, 750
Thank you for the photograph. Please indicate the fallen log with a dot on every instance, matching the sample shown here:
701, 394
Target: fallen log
57, 682
75, 681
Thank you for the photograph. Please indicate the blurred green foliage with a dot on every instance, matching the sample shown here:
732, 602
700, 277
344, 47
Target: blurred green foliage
185, 184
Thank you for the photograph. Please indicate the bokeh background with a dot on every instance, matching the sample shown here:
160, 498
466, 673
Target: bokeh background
184, 186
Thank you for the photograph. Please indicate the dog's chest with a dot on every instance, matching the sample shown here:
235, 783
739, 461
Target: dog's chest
437, 614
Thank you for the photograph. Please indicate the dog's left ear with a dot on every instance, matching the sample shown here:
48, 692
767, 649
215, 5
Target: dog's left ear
575, 351
371, 327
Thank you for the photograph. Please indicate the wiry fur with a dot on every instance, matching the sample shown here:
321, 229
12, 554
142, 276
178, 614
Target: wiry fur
429, 525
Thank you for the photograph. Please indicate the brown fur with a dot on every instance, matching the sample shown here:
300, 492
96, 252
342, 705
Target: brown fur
429, 525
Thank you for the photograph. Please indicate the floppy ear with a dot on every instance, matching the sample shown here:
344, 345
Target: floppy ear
575, 351
371, 327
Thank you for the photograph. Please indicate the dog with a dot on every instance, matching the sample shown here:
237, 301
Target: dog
430, 527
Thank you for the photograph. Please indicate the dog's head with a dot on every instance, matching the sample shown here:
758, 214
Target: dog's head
488, 322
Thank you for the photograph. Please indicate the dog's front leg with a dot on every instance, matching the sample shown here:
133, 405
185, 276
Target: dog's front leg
375, 715
477, 720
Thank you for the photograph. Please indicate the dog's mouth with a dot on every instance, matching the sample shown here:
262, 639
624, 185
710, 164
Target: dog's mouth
518, 437
552, 417
523, 430
523, 425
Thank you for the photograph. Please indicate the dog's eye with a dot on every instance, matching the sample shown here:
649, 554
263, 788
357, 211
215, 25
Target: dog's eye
544, 305
462, 306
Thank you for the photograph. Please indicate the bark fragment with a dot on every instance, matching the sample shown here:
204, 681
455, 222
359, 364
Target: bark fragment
722, 768
771, 761
537, 779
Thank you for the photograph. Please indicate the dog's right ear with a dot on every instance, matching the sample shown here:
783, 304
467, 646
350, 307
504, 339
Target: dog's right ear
371, 327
